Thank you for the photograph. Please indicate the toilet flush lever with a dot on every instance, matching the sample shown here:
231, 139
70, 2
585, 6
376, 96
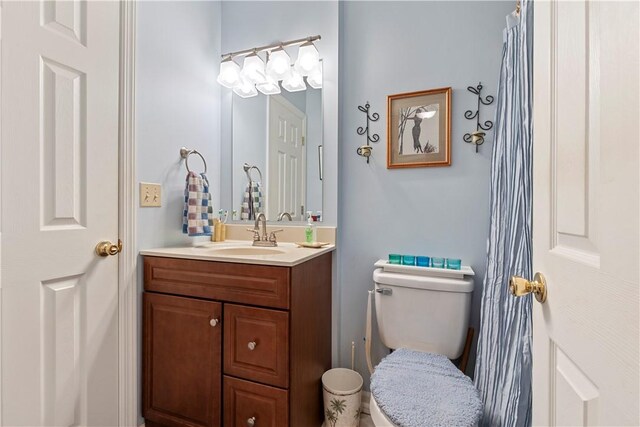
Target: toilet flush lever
384, 291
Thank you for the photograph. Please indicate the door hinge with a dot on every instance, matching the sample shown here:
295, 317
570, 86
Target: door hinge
303, 140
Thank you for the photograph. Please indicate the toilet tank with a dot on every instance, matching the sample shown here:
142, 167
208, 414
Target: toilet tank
422, 312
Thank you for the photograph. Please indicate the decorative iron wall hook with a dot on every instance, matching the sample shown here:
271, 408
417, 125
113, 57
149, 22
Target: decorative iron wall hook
365, 150
477, 137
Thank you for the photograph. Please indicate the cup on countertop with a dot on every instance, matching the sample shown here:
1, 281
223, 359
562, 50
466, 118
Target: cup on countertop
395, 259
408, 260
423, 261
454, 263
437, 262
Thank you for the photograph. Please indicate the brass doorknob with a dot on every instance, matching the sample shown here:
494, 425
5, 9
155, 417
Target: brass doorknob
106, 248
520, 286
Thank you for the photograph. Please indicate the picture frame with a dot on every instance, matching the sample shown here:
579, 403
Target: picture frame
419, 129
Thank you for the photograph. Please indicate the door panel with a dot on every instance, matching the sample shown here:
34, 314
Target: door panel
586, 234
59, 87
286, 159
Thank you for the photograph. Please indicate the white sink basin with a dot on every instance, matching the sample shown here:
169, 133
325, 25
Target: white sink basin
253, 250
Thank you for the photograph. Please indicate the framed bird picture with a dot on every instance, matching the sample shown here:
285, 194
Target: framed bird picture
419, 129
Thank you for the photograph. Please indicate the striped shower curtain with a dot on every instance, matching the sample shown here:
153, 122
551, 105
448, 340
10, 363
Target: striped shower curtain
503, 365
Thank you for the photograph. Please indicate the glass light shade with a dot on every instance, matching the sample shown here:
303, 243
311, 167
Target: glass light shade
269, 87
295, 82
253, 69
245, 89
429, 112
315, 78
308, 59
229, 73
279, 65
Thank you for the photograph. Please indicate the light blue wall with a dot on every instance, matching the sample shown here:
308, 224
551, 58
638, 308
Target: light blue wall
395, 47
177, 103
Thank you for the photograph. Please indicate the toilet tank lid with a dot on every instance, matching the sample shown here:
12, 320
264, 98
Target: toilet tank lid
423, 282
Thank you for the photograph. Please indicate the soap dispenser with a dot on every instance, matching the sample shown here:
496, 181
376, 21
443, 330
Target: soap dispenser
310, 231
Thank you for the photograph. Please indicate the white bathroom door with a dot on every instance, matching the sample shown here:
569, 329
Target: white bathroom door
59, 171
585, 213
287, 161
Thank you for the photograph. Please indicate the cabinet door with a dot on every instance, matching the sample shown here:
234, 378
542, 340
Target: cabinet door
182, 361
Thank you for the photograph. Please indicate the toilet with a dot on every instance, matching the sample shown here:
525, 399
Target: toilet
424, 319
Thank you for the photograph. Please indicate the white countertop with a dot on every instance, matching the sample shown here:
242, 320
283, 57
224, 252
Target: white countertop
288, 255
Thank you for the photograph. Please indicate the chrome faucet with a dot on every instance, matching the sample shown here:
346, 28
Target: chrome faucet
284, 215
264, 239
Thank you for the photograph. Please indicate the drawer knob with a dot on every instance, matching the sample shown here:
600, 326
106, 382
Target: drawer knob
251, 422
252, 346
214, 322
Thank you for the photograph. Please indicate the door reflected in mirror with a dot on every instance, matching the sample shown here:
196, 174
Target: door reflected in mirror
277, 155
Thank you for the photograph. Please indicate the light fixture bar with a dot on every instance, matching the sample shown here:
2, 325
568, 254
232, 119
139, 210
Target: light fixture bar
271, 47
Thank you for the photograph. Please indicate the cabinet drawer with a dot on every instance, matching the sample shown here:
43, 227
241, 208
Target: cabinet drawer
262, 285
247, 403
256, 344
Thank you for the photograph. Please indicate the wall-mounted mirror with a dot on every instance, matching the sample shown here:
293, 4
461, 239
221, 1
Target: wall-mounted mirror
277, 155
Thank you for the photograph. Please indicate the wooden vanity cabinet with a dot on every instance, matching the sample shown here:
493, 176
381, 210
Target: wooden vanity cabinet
229, 344
182, 360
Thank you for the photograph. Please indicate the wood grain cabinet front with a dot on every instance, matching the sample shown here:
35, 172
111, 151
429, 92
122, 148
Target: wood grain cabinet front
256, 344
182, 361
247, 404
235, 345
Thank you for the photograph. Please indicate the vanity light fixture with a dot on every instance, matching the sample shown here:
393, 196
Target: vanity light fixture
229, 73
295, 82
255, 75
315, 78
245, 89
308, 59
269, 87
279, 64
253, 69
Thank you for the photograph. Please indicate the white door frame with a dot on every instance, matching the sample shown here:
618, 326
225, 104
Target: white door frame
127, 277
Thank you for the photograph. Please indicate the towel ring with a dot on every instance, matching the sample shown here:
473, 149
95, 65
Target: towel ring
185, 153
247, 168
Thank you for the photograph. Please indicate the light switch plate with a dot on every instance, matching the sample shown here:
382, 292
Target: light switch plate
150, 195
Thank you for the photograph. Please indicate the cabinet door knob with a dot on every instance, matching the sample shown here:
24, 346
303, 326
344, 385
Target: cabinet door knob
214, 322
251, 422
252, 345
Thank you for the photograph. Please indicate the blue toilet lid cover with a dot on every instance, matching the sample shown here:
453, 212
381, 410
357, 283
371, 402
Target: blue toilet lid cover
419, 389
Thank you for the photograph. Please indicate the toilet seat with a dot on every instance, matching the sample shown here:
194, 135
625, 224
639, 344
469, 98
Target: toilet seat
378, 417
411, 388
